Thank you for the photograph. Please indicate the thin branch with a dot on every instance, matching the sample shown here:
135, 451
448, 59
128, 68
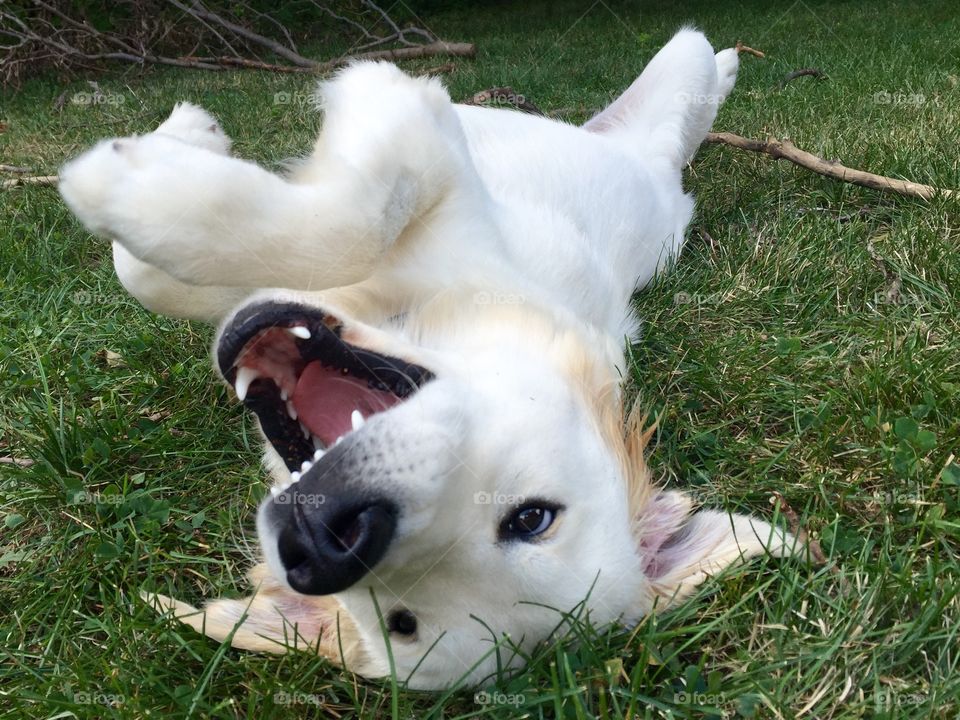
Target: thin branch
804, 72
30, 180
198, 11
786, 150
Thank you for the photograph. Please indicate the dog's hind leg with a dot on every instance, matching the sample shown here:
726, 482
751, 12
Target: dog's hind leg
668, 110
391, 149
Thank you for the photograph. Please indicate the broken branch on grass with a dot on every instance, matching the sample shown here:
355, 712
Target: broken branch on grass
30, 180
229, 35
15, 169
803, 72
786, 150
741, 48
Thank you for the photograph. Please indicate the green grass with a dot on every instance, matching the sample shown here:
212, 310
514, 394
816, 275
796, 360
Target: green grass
772, 355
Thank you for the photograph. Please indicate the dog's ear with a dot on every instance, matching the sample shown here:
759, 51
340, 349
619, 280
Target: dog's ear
273, 619
680, 549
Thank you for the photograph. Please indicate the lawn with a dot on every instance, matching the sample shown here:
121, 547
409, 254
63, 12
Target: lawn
806, 343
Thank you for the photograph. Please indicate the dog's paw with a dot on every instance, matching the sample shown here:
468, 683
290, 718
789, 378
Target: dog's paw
728, 63
195, 126
115, 188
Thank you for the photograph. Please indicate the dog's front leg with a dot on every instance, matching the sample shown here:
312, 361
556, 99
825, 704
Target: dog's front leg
206, 218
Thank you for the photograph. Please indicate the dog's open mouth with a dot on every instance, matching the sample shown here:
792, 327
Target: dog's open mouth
289, 364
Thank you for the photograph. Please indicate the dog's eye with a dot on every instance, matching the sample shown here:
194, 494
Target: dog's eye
528, 522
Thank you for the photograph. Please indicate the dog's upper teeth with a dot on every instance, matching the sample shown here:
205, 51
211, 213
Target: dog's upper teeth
356, 419
299, 331
317, 444
283, 395
245, 376
304, 429
291, 410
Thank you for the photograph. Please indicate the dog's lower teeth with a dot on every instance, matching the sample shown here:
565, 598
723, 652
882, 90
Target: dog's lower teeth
305, 465
356, 419
294, 477
318, 454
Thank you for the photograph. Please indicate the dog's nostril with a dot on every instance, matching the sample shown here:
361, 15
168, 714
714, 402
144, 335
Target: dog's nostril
402, 622
348, 535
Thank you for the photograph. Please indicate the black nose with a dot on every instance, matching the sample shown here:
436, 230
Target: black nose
327, 543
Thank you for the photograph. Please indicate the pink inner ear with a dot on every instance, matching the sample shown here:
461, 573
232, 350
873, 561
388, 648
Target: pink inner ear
660, 527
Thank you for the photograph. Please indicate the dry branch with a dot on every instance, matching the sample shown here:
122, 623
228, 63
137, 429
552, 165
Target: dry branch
30, 180
210, 35
786, 150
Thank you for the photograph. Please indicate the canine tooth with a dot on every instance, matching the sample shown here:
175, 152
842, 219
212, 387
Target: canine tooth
318, 454
356, 419
283, 395
299, 331
317, 444
291, 411
305, 430
245, 376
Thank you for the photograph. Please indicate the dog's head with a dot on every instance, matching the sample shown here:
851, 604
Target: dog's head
456, 483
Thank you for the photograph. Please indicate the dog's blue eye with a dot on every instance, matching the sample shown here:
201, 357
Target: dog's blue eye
527, 522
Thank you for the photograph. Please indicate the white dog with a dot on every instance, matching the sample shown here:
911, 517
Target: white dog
432, 314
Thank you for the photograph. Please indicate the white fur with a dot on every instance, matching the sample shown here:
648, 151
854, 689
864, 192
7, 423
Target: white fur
509, 245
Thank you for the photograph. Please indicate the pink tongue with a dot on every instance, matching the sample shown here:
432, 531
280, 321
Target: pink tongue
325, 398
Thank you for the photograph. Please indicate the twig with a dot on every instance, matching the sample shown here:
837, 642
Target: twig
405, 53
741, 48
198, 11
14, 169
804, 72
30, 180
19, 462
786, 150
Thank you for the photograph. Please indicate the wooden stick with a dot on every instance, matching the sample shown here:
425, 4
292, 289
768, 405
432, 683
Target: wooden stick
30, 180
786, 150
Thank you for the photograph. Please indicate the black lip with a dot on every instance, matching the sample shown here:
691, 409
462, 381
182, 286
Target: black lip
325, 343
